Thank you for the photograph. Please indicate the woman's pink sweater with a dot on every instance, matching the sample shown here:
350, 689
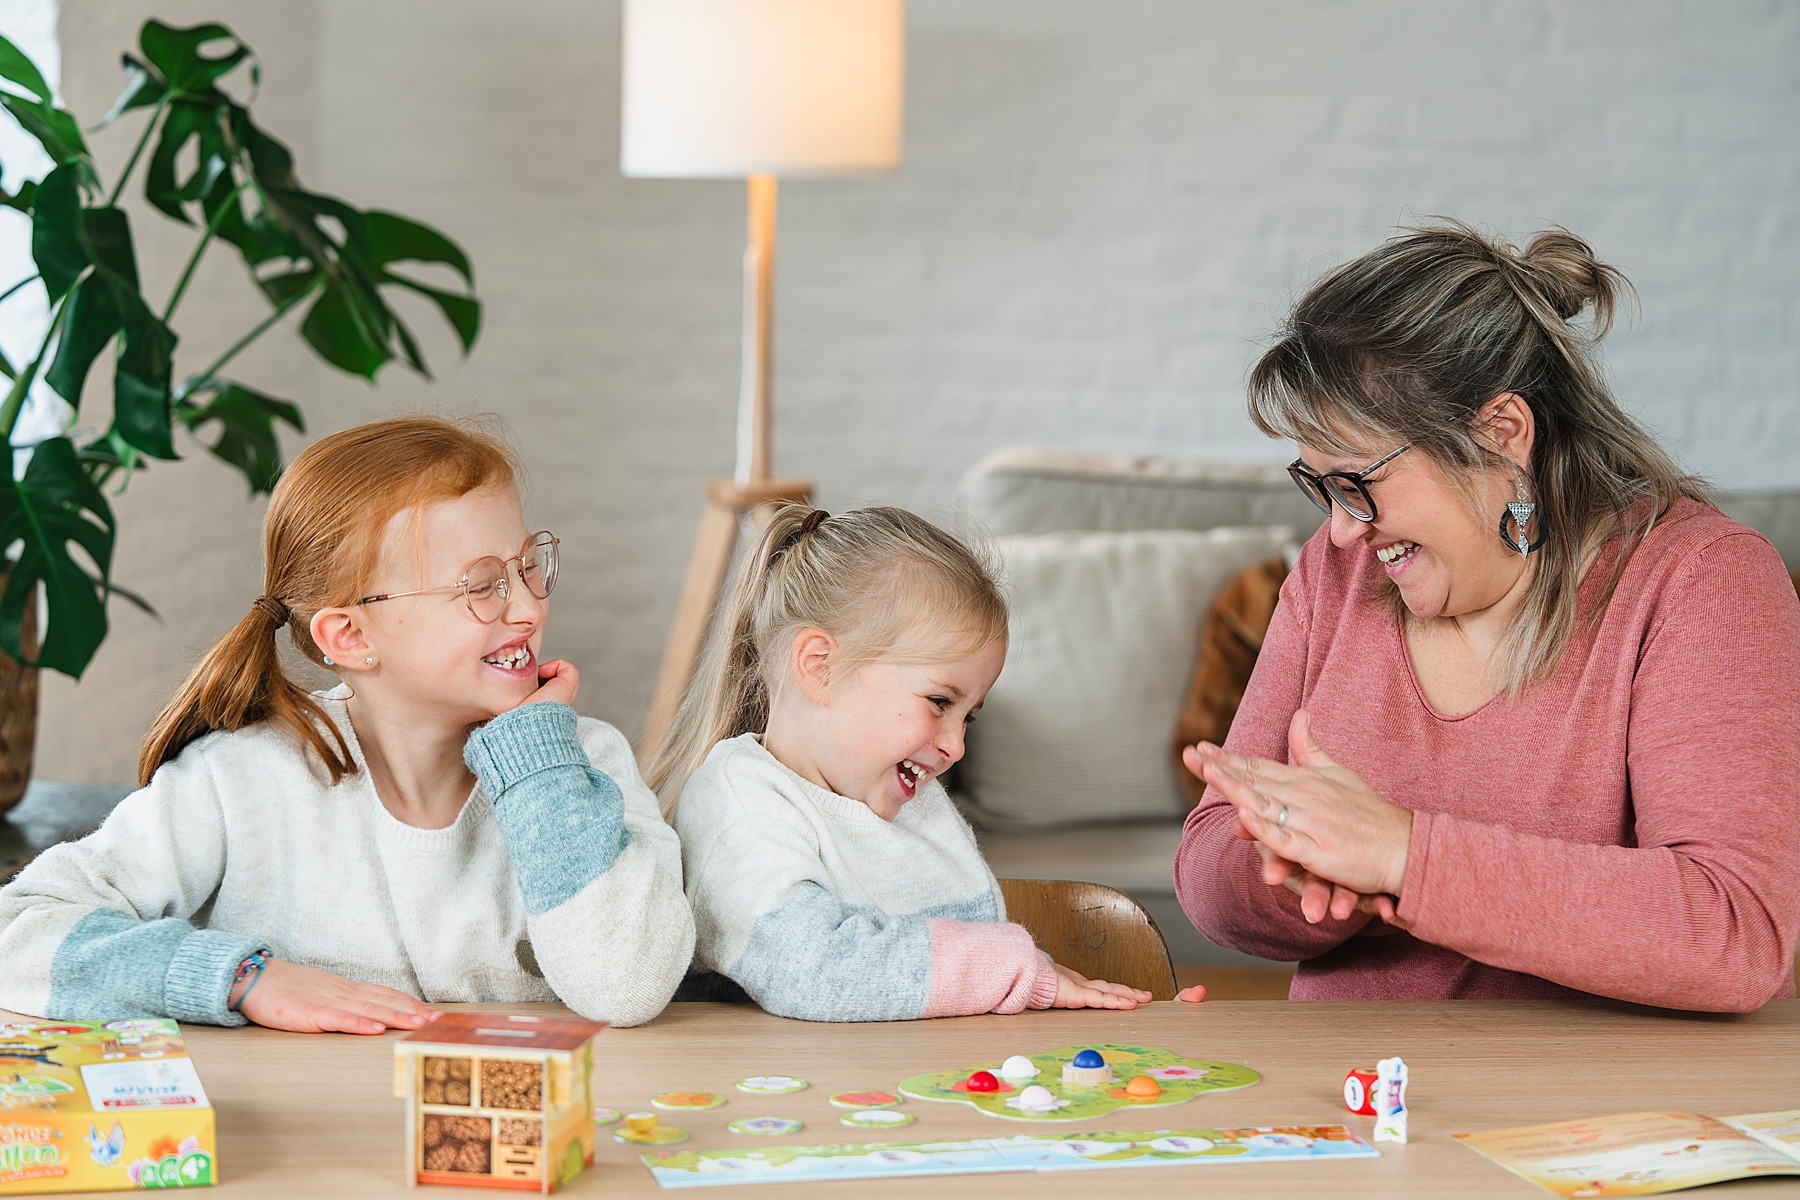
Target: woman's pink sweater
1629, 828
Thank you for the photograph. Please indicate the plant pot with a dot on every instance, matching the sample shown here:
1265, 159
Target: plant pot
18, 714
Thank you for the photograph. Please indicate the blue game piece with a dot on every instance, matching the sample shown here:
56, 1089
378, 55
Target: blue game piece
1089, 1058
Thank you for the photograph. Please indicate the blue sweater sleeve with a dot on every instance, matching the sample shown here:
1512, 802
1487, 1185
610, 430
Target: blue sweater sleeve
564, 821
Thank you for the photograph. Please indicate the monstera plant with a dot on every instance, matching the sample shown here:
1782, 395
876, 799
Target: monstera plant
208, 165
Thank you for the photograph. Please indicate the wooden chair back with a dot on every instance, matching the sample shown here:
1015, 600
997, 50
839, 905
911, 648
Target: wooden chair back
1093, 929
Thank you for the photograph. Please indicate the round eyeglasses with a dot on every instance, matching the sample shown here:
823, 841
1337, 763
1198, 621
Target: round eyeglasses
487, 584
1348, 488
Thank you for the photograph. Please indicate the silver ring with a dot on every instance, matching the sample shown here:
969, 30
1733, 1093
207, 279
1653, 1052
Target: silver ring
1281, 821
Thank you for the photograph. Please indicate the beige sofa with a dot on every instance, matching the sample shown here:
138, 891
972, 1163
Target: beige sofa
1064, 707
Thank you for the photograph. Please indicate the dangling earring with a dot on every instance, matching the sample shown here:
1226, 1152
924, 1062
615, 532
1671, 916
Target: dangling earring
328, 661
1520, 511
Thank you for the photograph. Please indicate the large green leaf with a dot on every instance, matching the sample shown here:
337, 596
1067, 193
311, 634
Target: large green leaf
342, 336
245, 435
141, 382
175, 53
392, 238
38, 114
53, 514
58, 240
187, 121
100, 303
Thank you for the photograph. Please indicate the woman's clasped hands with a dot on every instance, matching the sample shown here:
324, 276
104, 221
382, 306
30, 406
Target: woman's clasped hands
1322, 831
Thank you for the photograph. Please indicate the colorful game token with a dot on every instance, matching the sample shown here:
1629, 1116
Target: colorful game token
865, 1100
1018, 1067
771, 1085
983, 1081
1037, 1098
766, 1126
647, 1129
681, 1100
1142, 1087
605, 1116
876, 1118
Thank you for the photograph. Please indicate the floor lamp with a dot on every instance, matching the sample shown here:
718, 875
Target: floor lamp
756, 90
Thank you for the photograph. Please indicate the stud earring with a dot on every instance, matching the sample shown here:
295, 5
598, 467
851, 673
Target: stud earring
368, 662
328, 661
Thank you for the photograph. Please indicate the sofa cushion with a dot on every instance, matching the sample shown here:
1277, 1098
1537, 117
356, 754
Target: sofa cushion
1103, 635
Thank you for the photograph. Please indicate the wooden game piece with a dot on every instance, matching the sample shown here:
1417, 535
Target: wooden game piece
1018, 1067
496, 1100
868, 1099
1359, 1091
876, 1118
679, 1101
1087, 1069
772, 1085
1390, 1101
647, 1129
765, 1126
983, 1081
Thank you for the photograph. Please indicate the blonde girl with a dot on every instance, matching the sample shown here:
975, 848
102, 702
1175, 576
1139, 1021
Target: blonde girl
830, 875
441, 827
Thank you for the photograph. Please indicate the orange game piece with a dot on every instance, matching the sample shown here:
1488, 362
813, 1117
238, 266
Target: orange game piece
1142, 1087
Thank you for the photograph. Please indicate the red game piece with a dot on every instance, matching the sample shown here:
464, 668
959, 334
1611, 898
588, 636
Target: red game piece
1359, 1091
983, 1081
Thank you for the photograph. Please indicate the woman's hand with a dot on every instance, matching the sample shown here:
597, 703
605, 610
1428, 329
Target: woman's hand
1322, 831
558, 680
307, 1000
1075, 991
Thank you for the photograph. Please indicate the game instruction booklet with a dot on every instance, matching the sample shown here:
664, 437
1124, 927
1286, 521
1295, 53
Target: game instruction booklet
675, 1168
1644, 1153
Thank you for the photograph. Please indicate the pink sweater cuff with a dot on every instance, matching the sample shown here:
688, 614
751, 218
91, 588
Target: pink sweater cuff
986, 966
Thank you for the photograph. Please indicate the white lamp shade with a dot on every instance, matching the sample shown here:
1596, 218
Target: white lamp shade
732, 88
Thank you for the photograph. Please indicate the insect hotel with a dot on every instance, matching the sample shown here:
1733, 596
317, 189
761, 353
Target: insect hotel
498, 1101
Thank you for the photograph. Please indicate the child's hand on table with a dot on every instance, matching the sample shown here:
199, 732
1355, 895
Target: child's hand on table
1076, 991
307, 1000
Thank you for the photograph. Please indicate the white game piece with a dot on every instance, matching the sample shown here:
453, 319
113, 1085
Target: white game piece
1018, 1067
1037, 1098
1390, 1100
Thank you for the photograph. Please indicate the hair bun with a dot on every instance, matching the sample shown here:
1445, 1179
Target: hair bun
1563, 270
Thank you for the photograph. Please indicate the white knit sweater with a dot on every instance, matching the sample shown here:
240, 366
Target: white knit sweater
559, 880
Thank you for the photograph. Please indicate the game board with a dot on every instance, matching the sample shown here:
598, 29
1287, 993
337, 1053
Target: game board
1027, 1152
1180, 1079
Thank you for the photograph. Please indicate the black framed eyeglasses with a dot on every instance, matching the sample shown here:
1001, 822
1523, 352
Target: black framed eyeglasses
1347, 488
487, 583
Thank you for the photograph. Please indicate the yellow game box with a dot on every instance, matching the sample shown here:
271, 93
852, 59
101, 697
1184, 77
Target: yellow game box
91, 1106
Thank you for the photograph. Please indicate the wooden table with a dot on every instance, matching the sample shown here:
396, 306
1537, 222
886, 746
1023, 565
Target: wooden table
315, 1115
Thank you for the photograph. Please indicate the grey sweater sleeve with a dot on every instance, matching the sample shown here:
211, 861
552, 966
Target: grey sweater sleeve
599, 870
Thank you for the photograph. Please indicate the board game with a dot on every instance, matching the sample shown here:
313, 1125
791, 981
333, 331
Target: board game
89, 1106
1019, 1153
1117, 1083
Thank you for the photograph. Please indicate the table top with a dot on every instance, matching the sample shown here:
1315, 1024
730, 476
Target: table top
315, 1115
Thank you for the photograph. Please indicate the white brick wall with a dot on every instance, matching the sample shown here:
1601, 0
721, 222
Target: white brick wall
1104, 205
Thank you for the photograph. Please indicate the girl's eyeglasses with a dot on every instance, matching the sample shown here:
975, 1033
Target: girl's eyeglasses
487, 583
1346, 487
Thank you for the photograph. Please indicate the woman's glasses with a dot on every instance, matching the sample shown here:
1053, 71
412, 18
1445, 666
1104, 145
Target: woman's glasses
488, 581
1345, 487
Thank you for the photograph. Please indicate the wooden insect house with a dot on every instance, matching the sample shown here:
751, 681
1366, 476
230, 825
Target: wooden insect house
494, 1100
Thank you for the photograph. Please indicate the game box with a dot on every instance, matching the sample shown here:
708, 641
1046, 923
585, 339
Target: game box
90, 1106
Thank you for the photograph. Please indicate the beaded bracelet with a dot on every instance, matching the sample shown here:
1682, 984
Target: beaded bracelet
251, 968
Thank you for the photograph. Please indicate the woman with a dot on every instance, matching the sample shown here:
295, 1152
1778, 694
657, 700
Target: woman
1527, 720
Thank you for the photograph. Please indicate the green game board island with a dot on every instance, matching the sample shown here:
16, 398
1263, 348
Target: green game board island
1179, 1080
